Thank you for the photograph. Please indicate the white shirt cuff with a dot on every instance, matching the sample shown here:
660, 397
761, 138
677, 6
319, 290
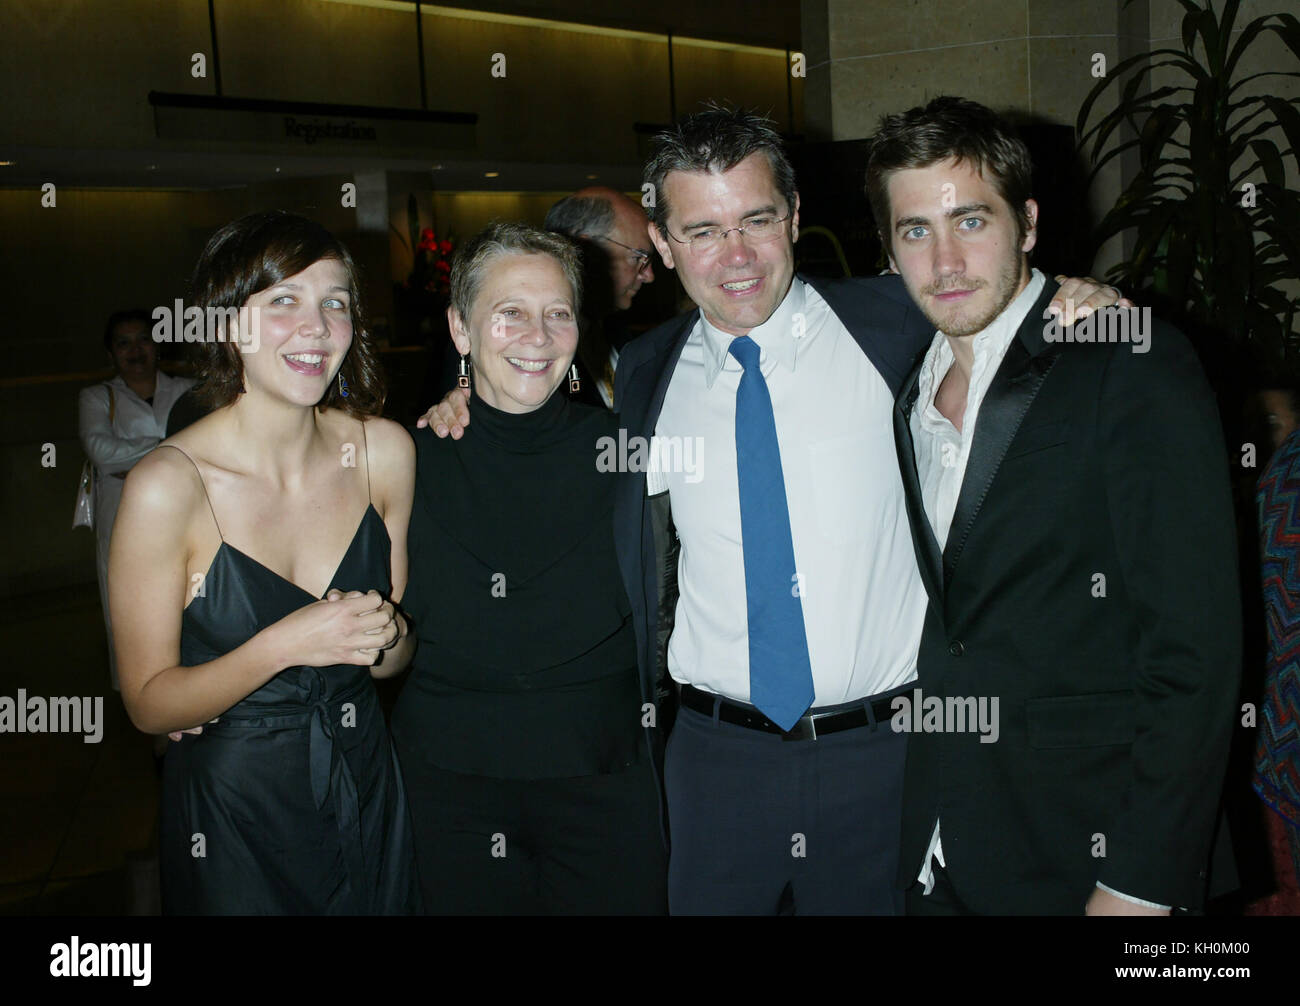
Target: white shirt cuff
1130, 898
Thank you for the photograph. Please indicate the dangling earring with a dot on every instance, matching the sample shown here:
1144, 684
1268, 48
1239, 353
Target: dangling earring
574, 383
343, 385
463, 379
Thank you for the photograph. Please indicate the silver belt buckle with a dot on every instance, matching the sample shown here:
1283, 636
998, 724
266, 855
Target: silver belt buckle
805, 729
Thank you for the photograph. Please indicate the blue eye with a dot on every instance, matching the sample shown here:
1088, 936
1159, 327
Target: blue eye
972, 220
915, 233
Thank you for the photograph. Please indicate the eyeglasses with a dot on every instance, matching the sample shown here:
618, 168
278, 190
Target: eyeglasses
759, 231
642, 258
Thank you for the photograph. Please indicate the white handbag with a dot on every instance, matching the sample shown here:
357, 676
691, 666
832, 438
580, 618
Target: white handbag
83, 514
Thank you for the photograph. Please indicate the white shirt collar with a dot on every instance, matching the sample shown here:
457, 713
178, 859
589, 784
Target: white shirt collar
775, 337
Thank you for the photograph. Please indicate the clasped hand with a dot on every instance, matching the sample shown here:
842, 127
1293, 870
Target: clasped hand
342, 628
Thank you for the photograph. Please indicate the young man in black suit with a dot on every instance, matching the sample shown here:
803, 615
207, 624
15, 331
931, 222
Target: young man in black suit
1068, 494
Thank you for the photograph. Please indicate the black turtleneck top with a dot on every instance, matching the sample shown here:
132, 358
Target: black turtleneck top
526, 664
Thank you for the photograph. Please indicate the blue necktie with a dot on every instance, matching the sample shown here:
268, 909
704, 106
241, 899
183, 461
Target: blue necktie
780, 673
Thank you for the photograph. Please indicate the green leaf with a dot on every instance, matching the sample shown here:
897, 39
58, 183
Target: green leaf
1116, 72
1131, 107
1208, 26
1191, 21
1271, 162
1288, 117
1223, 31
1265, 73
1159, 127
1288, 31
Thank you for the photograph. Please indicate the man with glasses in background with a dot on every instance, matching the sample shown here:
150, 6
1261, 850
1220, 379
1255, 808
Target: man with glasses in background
611, 228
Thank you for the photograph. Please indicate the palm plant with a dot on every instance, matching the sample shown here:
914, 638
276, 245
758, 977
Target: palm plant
1217, 231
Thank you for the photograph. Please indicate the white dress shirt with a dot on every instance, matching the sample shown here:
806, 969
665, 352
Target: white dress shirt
861, 592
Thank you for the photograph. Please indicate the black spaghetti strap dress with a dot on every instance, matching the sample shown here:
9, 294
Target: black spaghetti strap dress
292, 802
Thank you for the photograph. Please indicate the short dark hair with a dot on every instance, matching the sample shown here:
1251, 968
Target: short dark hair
509, 238
575, 215
716, 139
253, 253
1288, 388
130, 314
949, 128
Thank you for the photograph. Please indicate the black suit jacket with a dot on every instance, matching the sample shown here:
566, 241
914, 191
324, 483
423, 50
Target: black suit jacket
884, 322
1116, 695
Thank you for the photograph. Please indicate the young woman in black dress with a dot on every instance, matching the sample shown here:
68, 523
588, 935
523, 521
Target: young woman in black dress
251, 578
520, 730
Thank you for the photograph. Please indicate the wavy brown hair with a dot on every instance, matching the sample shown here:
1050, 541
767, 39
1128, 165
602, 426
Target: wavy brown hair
251, 254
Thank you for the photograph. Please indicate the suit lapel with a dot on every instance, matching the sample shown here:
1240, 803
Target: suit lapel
644, 401
1014, 388
675, 347
923, 539
648, 385
634, 539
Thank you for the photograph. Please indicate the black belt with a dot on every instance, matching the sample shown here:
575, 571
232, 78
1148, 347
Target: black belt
810, 726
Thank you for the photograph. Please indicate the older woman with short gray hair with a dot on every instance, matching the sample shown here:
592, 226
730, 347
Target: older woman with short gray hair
530, 774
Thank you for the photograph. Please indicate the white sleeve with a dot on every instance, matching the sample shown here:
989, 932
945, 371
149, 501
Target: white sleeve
108, 452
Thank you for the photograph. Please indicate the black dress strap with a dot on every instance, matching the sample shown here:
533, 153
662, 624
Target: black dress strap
205, 489
365, 446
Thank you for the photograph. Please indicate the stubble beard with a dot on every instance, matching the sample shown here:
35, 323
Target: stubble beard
958, 323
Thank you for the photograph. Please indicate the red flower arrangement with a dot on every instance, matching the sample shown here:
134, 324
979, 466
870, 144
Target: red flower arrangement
431, 270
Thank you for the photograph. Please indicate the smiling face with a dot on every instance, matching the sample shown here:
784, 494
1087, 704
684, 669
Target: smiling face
522, 331
134, 355
956, 245
305, 332
741, 283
